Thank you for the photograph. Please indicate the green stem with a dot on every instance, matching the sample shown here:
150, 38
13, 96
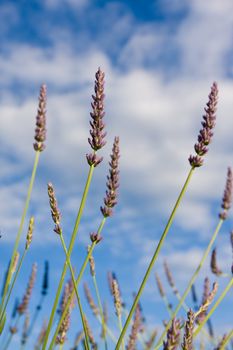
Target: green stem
222, 296
167, 304
226, 341
146, 276
76, 291
160, 341
36, 161
120, 328
73, 237
12, 285
77, 283
101, 310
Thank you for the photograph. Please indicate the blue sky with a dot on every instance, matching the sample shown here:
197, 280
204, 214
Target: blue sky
160, 59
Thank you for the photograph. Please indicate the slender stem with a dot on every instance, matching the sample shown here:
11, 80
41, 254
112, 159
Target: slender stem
36, 161
146, 276
226, 341
12, 285
11, 335
101, 310
160, 341
120, 328
77, 283
76, 291
222, 296
73, 237
167, 304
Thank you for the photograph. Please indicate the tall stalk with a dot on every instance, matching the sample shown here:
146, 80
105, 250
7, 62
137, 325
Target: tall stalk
19, 233
96, 141
76, 283
146, 276
74, 234
192, 280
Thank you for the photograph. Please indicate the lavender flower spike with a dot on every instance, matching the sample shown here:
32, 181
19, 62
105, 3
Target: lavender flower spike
40, 131
206, 133
97, 132
173, 336
227, 196
56, 215
110, 199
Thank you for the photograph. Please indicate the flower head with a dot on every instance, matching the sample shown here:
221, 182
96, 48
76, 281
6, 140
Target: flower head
40, 131
110, 199
97, 132
22, 308
227, 195
56, 215
206, 133
173, 336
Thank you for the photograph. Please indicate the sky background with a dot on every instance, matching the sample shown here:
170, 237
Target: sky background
160, 59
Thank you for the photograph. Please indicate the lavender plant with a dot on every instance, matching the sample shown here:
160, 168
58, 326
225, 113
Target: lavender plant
176, 333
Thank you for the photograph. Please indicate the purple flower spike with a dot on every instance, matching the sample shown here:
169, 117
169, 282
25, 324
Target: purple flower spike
227, 196
110, 199
40, 131
97, 132
206, 133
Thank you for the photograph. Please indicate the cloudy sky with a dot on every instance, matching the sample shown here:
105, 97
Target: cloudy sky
160, 58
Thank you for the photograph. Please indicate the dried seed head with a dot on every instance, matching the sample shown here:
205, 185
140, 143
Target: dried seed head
30, 232
92, 263
56, 215
116, 296
188, 333
40, 131
227, 196
110, 278
65, 325
173, 336
213, 263
168, 274
149, 343
206, 133
207, 300
110, 199
22, 308
159, 285
90, 334
90, 300
15, 263
135, 329
97, 132
41, 336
